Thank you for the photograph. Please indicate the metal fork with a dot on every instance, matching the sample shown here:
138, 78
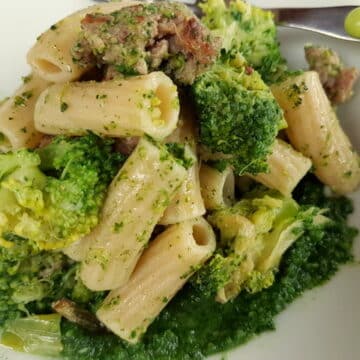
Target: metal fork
325, 20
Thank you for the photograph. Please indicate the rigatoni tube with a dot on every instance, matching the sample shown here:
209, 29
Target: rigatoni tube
286, 168
143, 104
188, 202
136, 200
17, 128
314, 130
161, 272
50, 57
217, 187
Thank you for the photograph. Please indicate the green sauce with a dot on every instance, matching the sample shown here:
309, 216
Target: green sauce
352, 23
193, 326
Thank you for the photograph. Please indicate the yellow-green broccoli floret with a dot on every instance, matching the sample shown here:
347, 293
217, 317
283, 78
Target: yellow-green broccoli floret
250, 30
53, 196
254, 235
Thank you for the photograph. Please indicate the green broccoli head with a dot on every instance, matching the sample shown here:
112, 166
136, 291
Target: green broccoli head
258, 281
31, 279
239, 117
53, 196
254, 235
216, 274
250, 30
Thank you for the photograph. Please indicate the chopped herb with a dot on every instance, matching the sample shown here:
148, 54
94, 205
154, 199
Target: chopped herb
53, 27
118, 226
219, 165
24, 130
101, 96
295, 91
113, 302
26, 79
20, 100
126, 70
179, 152
111, 126
64, 106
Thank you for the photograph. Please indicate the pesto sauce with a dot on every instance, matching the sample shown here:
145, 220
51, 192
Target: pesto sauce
193, 325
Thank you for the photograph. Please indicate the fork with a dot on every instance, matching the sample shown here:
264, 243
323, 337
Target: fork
325, 20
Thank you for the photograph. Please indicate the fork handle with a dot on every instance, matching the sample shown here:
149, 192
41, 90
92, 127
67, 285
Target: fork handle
327, 20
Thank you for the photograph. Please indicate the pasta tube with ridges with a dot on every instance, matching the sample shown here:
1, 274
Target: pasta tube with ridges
17, 128
217, 187
50, 57
161, 272
314, 130
286, 168
136, 200
143, 104
187, 203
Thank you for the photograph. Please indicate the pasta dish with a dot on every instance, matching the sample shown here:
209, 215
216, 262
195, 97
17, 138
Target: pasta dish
168, 184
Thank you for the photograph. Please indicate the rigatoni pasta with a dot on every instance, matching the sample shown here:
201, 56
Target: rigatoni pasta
143, 104
314, 130
188, 202
286, 168
137, 198
162, 271
17, 128
50, 57
217, 187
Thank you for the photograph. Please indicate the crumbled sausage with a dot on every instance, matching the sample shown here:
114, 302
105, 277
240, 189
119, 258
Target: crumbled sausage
337, 80
126, 145
142, 38
45, 140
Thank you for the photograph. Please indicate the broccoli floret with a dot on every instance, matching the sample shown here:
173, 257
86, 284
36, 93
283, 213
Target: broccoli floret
216, 273
31, 279
239, 117
254, 235
53, 196
250, 30
258, 281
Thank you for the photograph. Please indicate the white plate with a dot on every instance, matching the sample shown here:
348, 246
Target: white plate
325, 323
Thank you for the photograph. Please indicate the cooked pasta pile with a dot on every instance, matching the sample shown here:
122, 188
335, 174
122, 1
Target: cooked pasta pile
195, 148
